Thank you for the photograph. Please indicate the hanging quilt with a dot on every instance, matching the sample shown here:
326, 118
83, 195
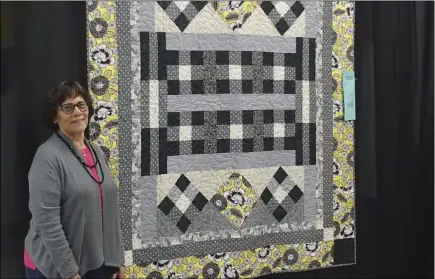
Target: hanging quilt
223, 124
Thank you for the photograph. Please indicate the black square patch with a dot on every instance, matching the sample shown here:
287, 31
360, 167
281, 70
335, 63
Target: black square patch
222, 57
166, 205
223, 117
247, 87
268, 116
197, 118
223, 145
199, 201
197, 86
197, 146
267, 86
196, 58
267, 58
222, 86
248, 117
173, 119
344, 251
246, 58
248, 145
183, 224
267, 143
173, 87
173, 148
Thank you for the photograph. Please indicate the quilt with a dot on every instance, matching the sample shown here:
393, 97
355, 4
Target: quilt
222, 122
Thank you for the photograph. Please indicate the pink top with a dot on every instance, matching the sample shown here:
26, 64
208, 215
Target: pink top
87, 155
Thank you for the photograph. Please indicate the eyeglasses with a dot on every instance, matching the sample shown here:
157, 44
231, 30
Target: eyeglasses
69, 108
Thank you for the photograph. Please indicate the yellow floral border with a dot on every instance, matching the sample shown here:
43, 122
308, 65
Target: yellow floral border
103, 80
343, 131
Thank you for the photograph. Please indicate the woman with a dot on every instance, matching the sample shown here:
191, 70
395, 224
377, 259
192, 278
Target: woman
75, 226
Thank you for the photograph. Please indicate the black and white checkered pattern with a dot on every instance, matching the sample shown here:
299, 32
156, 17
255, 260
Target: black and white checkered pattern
282, 13
231, 72
192, 72
183, 203
182, 12
236, 131
280, 196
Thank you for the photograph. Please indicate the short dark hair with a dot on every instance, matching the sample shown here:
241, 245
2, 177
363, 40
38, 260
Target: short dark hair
56, 96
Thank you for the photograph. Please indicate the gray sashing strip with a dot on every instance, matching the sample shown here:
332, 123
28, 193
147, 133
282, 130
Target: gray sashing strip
257, 72
236, 42
209, 72
327, 116
154, 61
210, 134
148, 242
140, 116
305, 59
145, 16
310, 205
154, 132
313, 99
146, 256
148, 201
258, 131
317, 22
139, 99
163, 112
154, 151
230, 102
125, 117
298, 101
306, 143
312, 9
144, 103
237, 161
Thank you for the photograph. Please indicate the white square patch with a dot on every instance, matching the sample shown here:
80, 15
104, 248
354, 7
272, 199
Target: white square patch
279, 130
185, 72
278, 72
128, 257
328, 234
185, 132
281, 7
235, 72
280, 194
181, 4
183, 203
236, 131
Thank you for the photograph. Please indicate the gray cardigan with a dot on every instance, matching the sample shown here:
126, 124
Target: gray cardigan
66, 233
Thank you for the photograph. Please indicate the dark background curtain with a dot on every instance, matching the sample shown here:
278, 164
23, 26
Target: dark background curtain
44, 43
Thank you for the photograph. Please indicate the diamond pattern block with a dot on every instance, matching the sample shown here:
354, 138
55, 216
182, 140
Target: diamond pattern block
282, 13
183, 199
182, 12
284, 195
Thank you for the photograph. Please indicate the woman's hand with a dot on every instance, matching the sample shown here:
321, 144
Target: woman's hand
77, 276
120, 274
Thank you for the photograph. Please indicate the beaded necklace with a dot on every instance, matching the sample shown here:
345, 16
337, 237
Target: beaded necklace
84, 165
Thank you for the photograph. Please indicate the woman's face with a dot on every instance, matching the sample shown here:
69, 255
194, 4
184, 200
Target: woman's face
73, 115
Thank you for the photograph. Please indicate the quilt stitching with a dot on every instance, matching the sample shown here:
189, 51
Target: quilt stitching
104, 131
